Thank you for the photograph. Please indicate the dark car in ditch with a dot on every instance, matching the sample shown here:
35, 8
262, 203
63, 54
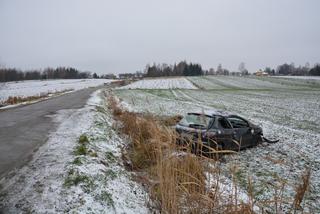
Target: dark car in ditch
218, 130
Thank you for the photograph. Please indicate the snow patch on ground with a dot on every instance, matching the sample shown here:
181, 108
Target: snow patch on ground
58, 180
40, 87
168, 83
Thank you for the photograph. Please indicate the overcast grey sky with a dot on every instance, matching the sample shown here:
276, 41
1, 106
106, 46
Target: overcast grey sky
119, 36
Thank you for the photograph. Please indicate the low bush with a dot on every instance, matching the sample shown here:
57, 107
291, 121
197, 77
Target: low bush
74, 178
81, 150
83, 139
105, 197
77, 161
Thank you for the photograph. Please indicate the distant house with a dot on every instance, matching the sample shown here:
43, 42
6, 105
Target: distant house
261, 73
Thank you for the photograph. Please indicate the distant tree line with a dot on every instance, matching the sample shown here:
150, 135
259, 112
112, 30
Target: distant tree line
13, 74
188, 69
284, 69
315, 71
136, 75
181, 69
292, 70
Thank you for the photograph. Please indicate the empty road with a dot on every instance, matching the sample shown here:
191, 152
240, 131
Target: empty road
23, 129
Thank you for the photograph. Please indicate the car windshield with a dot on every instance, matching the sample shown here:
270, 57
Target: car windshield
193, 120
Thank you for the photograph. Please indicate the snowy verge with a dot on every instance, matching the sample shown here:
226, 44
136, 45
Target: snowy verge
59, 179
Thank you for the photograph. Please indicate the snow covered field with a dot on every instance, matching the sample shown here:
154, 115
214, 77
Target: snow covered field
252, 82
300, 77
37, 87
172, 83
286, 109
60, 180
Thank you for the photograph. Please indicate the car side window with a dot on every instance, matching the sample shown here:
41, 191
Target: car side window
223, 123
211, 123
237, 122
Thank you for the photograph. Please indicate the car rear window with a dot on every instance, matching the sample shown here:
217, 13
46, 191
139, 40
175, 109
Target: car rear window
195, 119
223, 123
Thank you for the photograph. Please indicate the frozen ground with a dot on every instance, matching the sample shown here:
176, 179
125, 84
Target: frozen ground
161, 83
37, 87
60, 180
286, 109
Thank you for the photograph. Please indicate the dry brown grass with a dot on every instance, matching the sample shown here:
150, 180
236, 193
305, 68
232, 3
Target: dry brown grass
17, 99
144, 134
274, 161
301, 189
20, 99
181, 182
169, 120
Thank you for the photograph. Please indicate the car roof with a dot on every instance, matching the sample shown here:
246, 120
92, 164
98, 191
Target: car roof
211, 113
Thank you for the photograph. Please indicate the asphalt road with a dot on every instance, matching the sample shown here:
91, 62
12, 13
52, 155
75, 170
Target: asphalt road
24, 129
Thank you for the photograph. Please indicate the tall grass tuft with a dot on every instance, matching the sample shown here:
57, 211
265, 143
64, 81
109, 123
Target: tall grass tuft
301, 189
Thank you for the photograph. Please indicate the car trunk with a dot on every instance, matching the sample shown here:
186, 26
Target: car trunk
188, 133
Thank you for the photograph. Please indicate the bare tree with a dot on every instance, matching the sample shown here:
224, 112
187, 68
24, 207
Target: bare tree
242, 69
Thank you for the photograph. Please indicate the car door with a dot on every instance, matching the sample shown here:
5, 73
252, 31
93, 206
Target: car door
241, 131
222, 133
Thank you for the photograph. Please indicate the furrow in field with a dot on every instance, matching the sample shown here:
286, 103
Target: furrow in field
292, 83
205, 83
